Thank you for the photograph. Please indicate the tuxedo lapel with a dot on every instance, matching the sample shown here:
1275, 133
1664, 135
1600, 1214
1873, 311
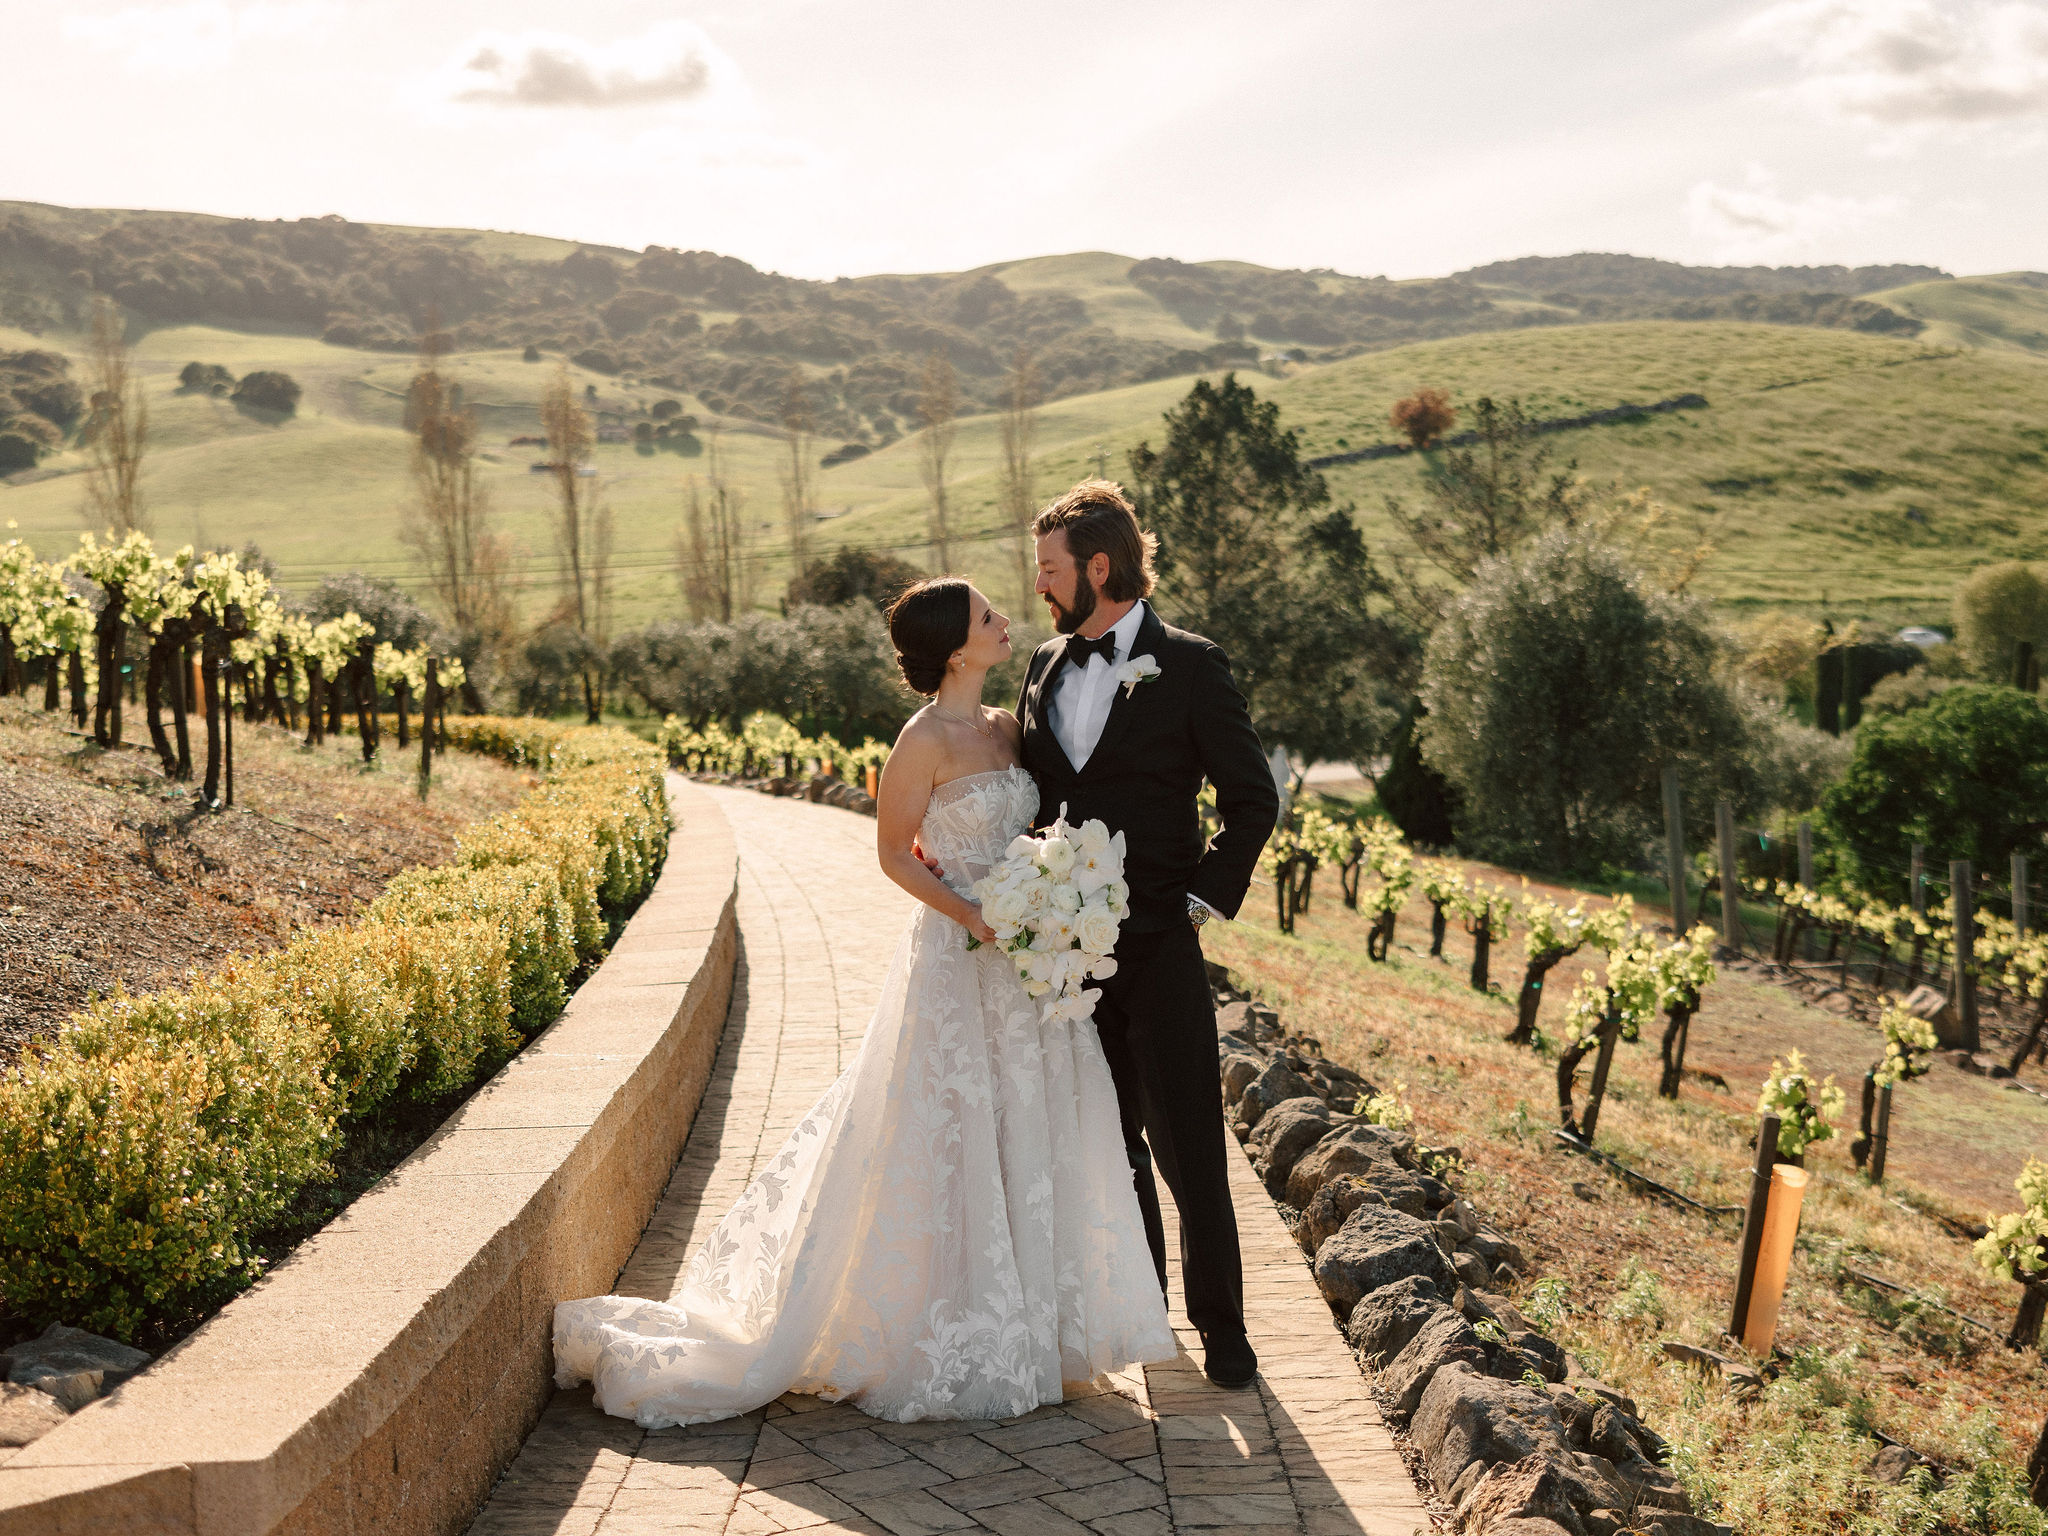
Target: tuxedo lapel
1035, 720
1146, 642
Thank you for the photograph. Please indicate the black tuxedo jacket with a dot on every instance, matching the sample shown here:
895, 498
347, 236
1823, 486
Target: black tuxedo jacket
1162, 738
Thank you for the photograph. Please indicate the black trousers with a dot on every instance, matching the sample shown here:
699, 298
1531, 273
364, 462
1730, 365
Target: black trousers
1158, 1027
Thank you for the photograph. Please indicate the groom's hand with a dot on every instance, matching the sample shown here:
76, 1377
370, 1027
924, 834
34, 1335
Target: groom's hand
917, 852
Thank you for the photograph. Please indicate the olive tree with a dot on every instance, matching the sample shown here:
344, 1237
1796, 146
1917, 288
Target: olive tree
1996, 608
1558, 686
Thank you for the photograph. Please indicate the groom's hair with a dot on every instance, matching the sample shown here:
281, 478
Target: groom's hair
1098, 518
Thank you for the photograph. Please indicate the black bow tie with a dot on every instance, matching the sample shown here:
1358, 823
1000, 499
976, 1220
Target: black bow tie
1079, 650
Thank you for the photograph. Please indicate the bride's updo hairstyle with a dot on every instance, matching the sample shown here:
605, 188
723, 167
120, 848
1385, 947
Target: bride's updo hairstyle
927, 624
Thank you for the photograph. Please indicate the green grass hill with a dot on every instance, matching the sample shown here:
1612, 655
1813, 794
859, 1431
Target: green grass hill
1840, 465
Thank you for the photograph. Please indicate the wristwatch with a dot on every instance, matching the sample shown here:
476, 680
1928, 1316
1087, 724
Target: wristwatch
1199, 911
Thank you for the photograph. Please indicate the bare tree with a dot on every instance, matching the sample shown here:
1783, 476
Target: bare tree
117, 429
937, 405
714, 545
1021, 396
583, 533
799, 475
449, 522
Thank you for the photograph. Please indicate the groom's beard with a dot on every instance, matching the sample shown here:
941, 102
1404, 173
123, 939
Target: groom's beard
1066, 620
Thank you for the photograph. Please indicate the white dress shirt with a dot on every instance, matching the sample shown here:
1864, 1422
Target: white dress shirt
1079, 705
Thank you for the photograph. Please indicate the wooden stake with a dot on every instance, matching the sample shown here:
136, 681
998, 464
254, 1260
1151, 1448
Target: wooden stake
1806, 878
1963, 983
1881, 1137
1919, 879
2019, 892
1731, 880
1753, 1222
1674, 847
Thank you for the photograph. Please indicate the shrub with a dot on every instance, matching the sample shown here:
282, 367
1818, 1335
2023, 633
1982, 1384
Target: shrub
1903, 692
1997, 607
1423, 417
1418, 798
268, 390
17, 451
139, 1152
205, 379
530, 355
143, 1149
848, 575
1966, 774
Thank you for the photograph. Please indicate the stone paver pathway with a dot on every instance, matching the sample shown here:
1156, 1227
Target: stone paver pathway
1157, 1452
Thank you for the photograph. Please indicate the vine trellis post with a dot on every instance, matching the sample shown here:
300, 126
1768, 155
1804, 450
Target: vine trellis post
1674, 847
1731, 879
1806, 879
1963, 980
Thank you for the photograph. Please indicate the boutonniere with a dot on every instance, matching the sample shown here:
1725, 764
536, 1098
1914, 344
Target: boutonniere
1135, 671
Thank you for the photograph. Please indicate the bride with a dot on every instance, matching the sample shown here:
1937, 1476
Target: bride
952, 1231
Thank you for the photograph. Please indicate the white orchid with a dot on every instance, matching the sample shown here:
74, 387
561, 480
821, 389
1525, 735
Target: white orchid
1135, 671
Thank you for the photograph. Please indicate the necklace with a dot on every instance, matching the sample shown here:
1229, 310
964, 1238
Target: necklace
985, 730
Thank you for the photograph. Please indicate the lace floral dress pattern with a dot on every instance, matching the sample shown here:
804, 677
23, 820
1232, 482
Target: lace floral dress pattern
948, 1234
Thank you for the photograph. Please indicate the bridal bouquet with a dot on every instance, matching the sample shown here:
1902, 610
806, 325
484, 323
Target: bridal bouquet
1056, 903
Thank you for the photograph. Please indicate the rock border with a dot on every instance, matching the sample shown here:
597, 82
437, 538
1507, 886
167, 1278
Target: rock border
1516, 1437
385, 1373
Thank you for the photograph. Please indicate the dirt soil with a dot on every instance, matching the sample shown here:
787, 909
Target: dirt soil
1638, 1270
1963, 1135
115, 876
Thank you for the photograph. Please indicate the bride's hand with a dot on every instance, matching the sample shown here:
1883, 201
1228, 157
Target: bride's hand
979, 928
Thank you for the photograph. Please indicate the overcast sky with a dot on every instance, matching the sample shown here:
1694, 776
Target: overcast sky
820, 137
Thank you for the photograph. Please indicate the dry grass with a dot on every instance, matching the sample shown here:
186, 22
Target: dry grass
1635, 1271
115, 876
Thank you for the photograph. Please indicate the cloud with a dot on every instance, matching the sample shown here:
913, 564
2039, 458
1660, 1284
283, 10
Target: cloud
200, 34
1757, 222
670, 63
1914, 64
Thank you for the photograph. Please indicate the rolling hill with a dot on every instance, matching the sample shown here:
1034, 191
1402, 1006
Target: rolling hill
1842, 462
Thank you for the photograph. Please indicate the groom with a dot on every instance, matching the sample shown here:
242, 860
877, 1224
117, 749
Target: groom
1123, 719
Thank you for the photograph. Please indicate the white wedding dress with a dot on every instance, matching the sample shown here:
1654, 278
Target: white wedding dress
948, 1234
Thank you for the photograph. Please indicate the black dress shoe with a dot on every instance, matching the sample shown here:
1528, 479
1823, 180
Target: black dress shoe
1229, 1361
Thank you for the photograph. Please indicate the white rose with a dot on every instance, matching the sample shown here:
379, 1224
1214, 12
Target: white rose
1067, 899
1037, 893
1117, 894
1056, 856
1096, 928
1005, 909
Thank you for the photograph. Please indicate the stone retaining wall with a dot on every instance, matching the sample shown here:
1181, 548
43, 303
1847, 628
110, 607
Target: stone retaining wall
383, 1375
